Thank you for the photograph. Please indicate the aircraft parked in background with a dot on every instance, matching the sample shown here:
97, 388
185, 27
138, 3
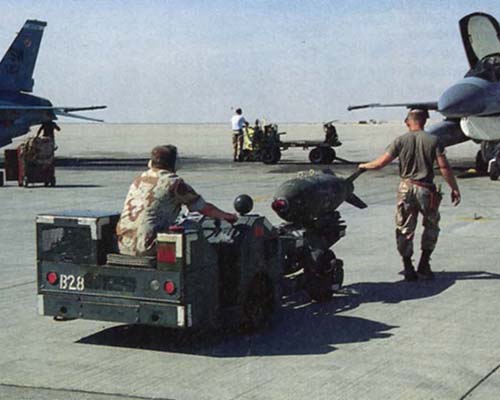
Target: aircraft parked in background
471, 106
18, 109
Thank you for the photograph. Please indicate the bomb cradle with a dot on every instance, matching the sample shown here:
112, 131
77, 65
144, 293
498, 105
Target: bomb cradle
308, 203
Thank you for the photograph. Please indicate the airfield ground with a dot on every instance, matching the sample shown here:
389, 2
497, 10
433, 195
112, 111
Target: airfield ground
386, 339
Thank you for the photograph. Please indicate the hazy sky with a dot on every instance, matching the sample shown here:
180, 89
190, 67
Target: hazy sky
287, 61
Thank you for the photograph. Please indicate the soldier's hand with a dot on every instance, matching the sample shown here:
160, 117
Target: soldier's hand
231, 218
455, 197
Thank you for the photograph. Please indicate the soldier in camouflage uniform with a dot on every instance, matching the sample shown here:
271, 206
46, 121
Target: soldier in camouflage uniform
154, 201
417, 151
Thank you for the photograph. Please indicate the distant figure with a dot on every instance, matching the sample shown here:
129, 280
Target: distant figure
237, 125
47, 128
154, 201
331, 136
417, 150
45, 143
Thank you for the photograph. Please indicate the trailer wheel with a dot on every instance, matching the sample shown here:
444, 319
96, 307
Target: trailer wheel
258, 305
330, 155
271, 155
317, 155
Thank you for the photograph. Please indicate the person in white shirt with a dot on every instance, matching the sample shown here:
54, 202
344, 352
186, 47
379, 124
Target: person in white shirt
237, 124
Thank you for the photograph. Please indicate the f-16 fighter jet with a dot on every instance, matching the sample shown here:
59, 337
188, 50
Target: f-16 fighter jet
18, 109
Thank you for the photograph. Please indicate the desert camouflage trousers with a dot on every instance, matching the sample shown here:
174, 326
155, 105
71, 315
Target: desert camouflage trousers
413, 199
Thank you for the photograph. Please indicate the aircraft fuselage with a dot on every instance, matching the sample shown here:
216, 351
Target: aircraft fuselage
14, 123
471, 96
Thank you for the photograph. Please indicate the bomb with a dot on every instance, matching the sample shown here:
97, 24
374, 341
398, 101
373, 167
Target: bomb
311, 196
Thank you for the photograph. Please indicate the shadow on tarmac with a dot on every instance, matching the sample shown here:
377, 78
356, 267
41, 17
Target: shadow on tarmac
314, 329
396, 292
301, 327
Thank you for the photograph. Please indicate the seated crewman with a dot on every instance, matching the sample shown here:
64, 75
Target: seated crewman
154, 201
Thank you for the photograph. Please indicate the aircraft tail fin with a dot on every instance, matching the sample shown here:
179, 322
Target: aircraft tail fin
18, 63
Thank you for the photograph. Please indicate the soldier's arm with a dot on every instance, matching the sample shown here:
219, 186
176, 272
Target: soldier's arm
449, 177
211, 210
378, 163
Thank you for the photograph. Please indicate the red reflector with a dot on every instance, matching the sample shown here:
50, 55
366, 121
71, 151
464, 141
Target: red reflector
279, 205
169, 287
258, 231
165, 253
52, 277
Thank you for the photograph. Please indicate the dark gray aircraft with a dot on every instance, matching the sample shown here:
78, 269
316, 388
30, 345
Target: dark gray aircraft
471, 106
18, 109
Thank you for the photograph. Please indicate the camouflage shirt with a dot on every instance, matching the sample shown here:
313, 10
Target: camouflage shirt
153, 203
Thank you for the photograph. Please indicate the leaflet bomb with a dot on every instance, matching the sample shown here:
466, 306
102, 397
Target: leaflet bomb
310, 197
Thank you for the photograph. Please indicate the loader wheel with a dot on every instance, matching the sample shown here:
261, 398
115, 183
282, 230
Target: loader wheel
246, 155
271, 156
258, 305
317, 155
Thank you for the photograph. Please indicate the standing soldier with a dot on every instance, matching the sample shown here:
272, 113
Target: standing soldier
237, 124
154, 201
417, 150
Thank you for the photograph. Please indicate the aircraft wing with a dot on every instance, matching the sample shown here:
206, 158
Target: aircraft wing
62, 111
429, 105
67, 114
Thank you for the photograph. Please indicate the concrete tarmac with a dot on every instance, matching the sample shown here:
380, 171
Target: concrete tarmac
382, 339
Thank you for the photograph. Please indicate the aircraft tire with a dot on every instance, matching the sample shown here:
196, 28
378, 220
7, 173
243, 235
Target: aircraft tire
494, 172
481, 165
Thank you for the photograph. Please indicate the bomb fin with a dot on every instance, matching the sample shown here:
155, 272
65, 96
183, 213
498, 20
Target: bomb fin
356, 201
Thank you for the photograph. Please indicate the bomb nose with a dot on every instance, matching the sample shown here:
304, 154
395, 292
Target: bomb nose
280, 206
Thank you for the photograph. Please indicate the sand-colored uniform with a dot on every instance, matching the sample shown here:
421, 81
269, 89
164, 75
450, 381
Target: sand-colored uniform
417, 193
152, 204
39, 150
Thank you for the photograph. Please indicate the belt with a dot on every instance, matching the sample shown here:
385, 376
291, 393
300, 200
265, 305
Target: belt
425, 185
435, 194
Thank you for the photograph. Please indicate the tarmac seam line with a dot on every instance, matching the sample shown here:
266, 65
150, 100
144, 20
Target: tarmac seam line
480, 382
124, 396
17, 285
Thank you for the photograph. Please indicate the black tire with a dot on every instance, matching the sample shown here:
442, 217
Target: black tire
317, 155
246, 155
52, 182
270, 156
26, 181
258, 305
481, 165
330, 155
494, 171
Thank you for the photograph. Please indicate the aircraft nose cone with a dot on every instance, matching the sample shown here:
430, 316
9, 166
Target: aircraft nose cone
462, 100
